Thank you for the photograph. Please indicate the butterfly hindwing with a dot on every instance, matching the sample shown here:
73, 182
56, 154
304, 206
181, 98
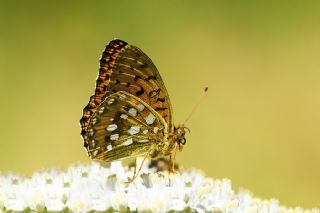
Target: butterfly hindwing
124, 126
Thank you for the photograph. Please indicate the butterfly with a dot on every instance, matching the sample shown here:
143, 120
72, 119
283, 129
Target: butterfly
130, 113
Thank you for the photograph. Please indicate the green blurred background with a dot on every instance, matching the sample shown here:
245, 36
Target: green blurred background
258, 125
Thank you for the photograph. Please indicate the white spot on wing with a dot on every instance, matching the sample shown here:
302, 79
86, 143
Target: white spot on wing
124, 116
112, 127
94, 120
128, 142
150, 118
133, 111
90, 132
122, 97
101, 110
141, 107
143, 141
145, 131
111, 101
134, 130
95, 153
155, 130
114, 137
109, 147
111, 119
93, 143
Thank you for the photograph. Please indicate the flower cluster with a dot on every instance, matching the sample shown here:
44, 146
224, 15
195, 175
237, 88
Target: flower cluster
92, 187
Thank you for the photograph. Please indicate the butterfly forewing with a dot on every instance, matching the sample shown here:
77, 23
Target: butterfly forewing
135, 73
124, 126
124, 67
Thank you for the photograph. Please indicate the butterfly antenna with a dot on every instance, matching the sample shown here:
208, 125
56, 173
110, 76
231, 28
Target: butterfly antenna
196, 104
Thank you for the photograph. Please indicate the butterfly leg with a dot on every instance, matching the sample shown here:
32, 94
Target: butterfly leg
136, 174
172, 160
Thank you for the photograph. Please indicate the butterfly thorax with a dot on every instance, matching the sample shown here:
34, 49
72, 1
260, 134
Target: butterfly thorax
170, 142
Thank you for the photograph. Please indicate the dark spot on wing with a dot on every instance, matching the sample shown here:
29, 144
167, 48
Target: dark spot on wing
99, 81
142, 66
161, 99
117, 117
103, 61
154, 93
160, 108
83, 132
102, 70
140, 92
137, 78
151, 78
107, 76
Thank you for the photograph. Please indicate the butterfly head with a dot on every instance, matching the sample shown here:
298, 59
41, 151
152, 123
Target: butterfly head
180, 132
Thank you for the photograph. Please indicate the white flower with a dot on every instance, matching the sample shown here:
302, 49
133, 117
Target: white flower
93, 187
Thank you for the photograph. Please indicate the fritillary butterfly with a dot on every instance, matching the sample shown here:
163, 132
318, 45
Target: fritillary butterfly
130, 113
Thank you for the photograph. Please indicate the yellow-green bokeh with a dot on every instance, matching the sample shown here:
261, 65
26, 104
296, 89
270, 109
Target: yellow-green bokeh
259, 124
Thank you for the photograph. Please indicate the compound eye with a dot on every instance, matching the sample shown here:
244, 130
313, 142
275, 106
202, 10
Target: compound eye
183, 141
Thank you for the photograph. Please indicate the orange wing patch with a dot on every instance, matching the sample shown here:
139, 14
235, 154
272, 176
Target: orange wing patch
107, 63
